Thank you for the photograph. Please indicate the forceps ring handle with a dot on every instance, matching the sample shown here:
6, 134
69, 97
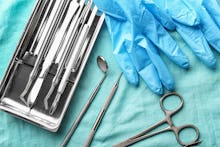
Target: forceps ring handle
178, 130
181, 128
171, 112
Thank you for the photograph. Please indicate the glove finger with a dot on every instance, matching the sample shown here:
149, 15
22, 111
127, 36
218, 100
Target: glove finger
161, 39
179, 11
208, 26
119, 40
145, 68
161, 16
111, 8
210, 30
126, 65
150, 76
129, 59
213, 9
195, 39
162, 70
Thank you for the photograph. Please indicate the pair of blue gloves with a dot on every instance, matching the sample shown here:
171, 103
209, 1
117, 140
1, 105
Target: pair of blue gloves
138, 30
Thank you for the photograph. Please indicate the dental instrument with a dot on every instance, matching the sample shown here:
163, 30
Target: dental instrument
72, 64
42, 7
67, 50
27, 52
53, 52
103, 65
44, 45
34, 50
102, 113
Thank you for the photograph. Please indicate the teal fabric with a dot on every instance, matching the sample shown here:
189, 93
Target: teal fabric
13, 18
132, 110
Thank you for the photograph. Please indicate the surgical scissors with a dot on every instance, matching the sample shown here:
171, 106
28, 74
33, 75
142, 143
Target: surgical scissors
171, 127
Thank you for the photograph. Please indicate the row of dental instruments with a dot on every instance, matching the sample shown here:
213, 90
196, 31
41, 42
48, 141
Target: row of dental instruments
72, 63
47, 8
52, 54
68, 45
44, 43
49, 60
102, 63
102, 112
59, 42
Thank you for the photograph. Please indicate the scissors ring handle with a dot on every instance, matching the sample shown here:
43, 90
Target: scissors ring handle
192, 142
168, 95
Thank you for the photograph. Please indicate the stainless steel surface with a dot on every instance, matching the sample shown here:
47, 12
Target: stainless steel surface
167, 120
102, 113
37, 13
42, 27
67, 49
38, 19
104, 67
43, 46
24, 59
73, 60
54, 50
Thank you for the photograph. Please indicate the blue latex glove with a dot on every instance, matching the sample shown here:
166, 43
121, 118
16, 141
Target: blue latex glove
213, 9
198, 34
136, 36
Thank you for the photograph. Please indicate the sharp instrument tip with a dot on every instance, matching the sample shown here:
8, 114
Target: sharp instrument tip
48, 96
30, 104
25, 92
55, 104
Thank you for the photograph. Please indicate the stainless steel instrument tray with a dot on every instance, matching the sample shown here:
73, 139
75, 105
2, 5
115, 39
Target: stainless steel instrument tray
21, 66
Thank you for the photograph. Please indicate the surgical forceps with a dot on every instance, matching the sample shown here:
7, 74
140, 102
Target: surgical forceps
171, 127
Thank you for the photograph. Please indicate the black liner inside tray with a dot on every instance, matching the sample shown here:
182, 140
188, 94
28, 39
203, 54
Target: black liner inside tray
18, 84
22, 64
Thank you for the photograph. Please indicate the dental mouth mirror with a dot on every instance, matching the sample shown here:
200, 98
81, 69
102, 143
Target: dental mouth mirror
103, 66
